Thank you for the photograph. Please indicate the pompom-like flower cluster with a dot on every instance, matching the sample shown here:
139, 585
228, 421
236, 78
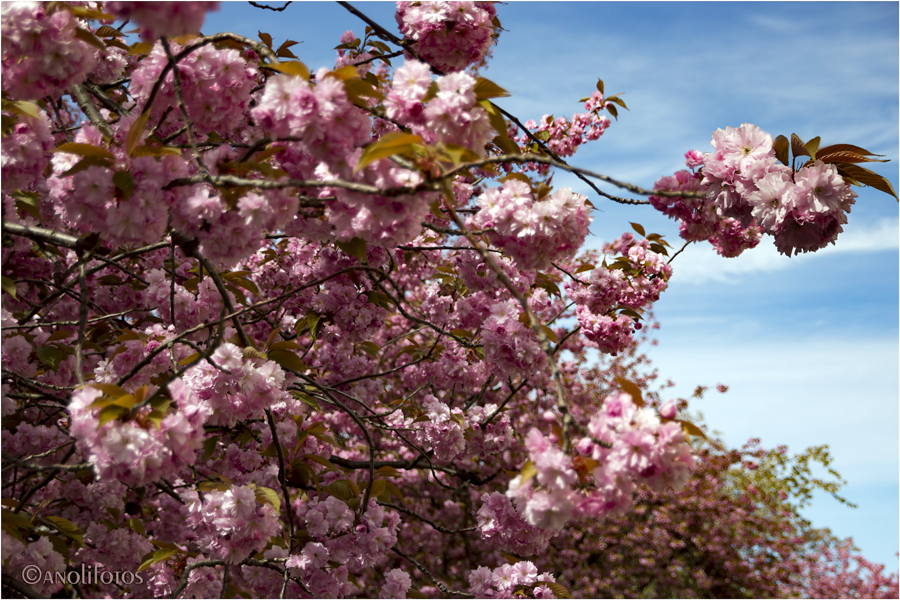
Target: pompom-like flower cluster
505, 579
535, 232
634, 285
25, 151
215, 87
449, 35
157, 19
90, 200
453, 116
41, 54
138, 451
628, 446
508, 344
231, 524
748, 191
242, 393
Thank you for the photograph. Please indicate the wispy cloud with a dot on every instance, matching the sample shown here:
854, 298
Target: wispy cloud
700, 264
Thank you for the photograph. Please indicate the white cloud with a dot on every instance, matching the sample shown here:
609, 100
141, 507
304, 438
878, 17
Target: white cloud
840, 392
700, 264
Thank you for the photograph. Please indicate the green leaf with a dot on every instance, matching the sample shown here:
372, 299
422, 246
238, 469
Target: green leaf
394, 490
690, 428
632, 390
357, 89
340, 490
284, 345
241, 282
355, 247
155, 151
585, 267
22, 107
209, 446
847, 157
86, 36
61, 545
485, 88
9, 286
294, 68
370, 348
135, 132
618, 101
111, 413
28, 202
314, 322
125, 182
321, 460
251, 352
140, 49
287, 359
378, 488
811, 146
630, 313
600, 85
558, 589
781, 146
659, 249
283, 51
378, 299
550, 334
390, 144
50, 356
527, 473
87, 163
308, 400
156, 556
457, 154
189, 359
612, 110
67, 527
266, 495
110, 389
85, 150
87, 13
136, 526
107, 31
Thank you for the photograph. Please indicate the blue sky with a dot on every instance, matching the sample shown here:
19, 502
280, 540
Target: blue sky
808, 345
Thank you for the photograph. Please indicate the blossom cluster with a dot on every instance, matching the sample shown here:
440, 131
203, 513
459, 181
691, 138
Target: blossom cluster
170, 19
503, 581
234, 388
749, 191
24, 151
452, 116
42, 55
534, 231
138, 451
628, 446
91, 199
230, 524
634, 282
564, 136
449, 35
215, 86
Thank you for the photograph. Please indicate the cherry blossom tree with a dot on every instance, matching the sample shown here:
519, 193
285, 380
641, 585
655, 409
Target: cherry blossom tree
269, 332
